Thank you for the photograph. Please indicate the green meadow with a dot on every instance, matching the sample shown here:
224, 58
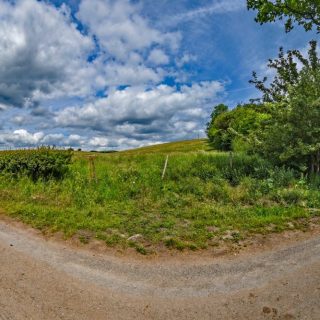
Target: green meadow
205, 197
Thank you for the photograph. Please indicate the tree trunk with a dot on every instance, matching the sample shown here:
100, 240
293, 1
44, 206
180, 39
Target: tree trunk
312, 165
315, 163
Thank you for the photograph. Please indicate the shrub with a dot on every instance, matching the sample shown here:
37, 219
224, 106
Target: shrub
42, 163
292, 196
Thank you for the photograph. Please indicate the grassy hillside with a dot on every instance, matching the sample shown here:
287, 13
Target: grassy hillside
121, 198
173, 147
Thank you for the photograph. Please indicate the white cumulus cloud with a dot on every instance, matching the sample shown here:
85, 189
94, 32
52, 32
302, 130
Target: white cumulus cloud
157, 56
42, 55
138, 112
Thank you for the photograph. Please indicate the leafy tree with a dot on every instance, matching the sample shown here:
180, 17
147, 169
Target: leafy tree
303, 12
217, 132
217, 110
287, 73
212, 132
234, 127
247, 120
292, 135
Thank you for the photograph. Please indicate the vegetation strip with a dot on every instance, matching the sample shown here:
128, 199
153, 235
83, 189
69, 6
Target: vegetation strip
204, 198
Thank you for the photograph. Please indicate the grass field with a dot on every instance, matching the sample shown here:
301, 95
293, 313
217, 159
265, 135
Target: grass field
205, 196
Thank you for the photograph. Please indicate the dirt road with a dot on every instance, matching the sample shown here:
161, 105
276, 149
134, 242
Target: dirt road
42, 279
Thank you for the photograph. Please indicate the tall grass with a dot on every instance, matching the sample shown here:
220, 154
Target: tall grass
203, 195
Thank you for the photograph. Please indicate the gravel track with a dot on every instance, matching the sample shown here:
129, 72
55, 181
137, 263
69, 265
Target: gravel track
42, 279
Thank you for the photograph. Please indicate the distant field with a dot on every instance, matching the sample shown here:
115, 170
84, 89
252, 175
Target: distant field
120, 198
173, 147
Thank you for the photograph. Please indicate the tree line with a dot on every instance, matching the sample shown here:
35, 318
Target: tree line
283, 126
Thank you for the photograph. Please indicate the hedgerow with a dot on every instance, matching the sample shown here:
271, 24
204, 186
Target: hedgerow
41, 163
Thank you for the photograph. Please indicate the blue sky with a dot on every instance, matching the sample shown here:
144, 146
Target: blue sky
104, 74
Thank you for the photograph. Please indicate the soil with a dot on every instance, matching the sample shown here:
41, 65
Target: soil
276, 277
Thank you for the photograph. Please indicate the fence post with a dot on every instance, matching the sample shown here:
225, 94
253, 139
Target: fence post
165, 167
92, 169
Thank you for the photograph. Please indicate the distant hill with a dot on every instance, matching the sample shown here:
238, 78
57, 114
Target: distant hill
172, 147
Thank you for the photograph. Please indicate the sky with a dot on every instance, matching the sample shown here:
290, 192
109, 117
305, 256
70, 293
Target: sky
119, 74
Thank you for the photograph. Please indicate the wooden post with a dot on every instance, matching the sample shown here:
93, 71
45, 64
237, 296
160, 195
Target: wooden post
165, 167
92, 169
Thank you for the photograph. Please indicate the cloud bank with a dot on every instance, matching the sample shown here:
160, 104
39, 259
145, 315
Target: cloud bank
94, 78
115, 74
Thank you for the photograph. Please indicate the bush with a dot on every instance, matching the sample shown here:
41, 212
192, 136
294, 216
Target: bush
42, 163
290, 196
